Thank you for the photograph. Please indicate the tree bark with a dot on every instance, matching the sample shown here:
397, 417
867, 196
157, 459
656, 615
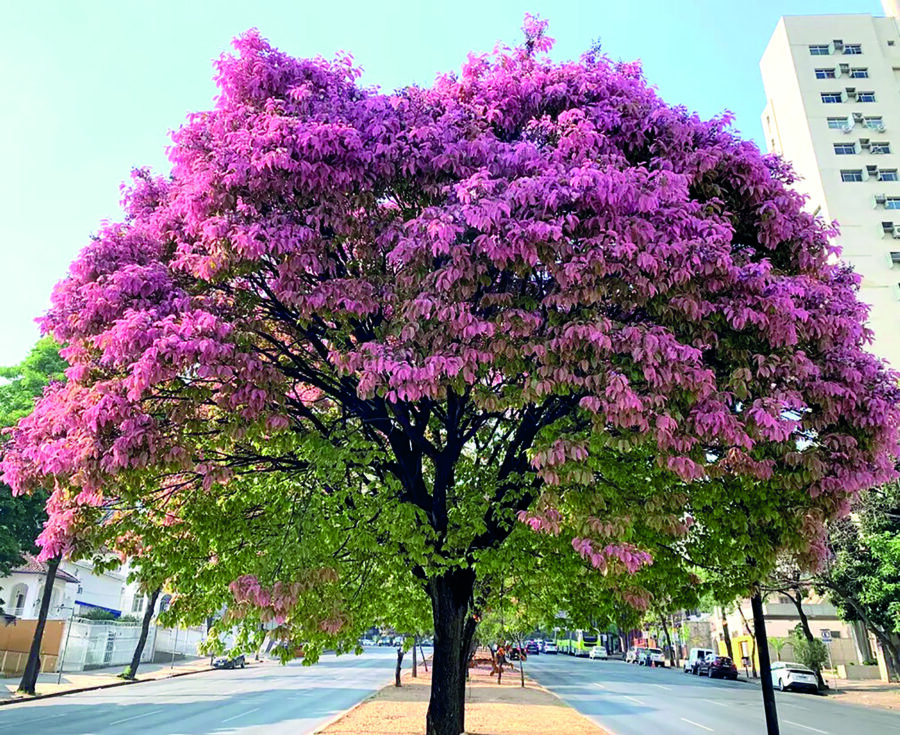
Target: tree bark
131, 673
765, 665
399, 665
415, 669
807, 632
753, 637
727, 635
665, 627
450, 594
33, 665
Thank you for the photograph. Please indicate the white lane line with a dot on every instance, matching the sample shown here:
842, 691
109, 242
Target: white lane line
41, 719
713, 701
791, 704
599, 685
136, 717
805, 727
242, 714
661, 686
697, 724
635, 700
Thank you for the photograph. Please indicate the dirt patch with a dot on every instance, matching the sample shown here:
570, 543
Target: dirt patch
491, 709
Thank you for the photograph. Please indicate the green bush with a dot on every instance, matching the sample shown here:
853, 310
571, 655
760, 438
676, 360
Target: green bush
95, 613
813, 654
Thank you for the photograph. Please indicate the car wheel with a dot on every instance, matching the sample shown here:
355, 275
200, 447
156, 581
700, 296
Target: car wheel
242, 664
780, 684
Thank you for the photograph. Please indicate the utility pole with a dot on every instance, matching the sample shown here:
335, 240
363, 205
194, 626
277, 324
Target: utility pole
765, 664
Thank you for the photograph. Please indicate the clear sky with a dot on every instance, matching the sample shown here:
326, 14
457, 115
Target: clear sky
91, 88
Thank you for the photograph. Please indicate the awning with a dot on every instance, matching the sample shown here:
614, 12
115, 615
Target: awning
117, 613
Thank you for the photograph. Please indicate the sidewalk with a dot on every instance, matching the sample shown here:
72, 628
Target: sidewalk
77, 680
491, 709
866, 693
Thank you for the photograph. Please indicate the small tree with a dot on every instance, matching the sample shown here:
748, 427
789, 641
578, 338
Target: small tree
811, 653
778, 645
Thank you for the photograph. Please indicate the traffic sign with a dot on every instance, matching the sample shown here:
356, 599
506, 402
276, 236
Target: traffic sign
826, 635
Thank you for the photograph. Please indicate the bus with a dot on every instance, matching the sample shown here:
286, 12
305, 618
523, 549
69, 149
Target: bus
576, 642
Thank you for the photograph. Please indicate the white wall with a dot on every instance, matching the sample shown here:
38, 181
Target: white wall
97, 644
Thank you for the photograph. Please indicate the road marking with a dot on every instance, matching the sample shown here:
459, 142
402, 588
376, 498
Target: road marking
635, 700
713, 701
136, 717
805, 727
41, 719
661, 686
599, 685
248, 712
791, 704
697, 724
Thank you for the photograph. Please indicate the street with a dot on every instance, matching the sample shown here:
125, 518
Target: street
632, 700
263, 698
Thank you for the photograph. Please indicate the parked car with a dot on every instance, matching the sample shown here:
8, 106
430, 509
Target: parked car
514, 653
631, 657
550, 647
787, 676
532, 648
598, 652
692, 664
366, 642
230, 662
718, 667
651, 657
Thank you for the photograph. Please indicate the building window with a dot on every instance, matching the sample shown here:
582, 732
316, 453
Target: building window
835, 634
845, 149
865, 97
854, 175
860, 73
831, 97
825, 74
876, 123
892, 203
852, 49
819, 49
137, 604
837, 123
880, 148
888, 174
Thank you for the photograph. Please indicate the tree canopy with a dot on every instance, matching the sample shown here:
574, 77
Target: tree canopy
405, 321
22, 518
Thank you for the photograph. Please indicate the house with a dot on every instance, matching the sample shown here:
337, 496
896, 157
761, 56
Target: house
23, 588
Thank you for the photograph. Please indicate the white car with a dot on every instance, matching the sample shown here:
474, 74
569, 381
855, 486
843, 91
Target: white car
550, 647
598, 652
651, 657
787, 675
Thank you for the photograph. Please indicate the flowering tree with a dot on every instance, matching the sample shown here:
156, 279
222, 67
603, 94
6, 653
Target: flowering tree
531, 292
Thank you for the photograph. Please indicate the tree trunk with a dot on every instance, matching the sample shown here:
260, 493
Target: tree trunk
891, 650
399, 665
765, 665
131, 673
727, 635
415, 669
33, 666
665, 627
450, 595
807, 632
753, 638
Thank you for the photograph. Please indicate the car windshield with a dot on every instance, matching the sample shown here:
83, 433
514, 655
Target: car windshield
654, 650
723, 660
798, 669
589, 638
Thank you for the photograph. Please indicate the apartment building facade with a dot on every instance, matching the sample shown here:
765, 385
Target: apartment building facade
832, 86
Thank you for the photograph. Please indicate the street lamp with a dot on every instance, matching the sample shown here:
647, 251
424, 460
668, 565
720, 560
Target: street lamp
62, 659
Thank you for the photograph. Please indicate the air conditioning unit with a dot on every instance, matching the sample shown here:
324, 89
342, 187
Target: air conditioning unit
845, 68
887, 228
897, 234
858, 117
895, 258
872, 170
877, 127
838, 44
879, 199
851, 93
864, 143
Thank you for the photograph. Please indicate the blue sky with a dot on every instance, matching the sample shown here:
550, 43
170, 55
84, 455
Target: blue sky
90, 89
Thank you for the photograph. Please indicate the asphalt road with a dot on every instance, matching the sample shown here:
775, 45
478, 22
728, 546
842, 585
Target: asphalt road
263, 698
633, 700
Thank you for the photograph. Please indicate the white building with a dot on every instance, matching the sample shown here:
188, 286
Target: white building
832, 85
22, 590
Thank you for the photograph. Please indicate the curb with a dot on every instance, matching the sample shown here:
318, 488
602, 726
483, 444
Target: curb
21, 699
341, 715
